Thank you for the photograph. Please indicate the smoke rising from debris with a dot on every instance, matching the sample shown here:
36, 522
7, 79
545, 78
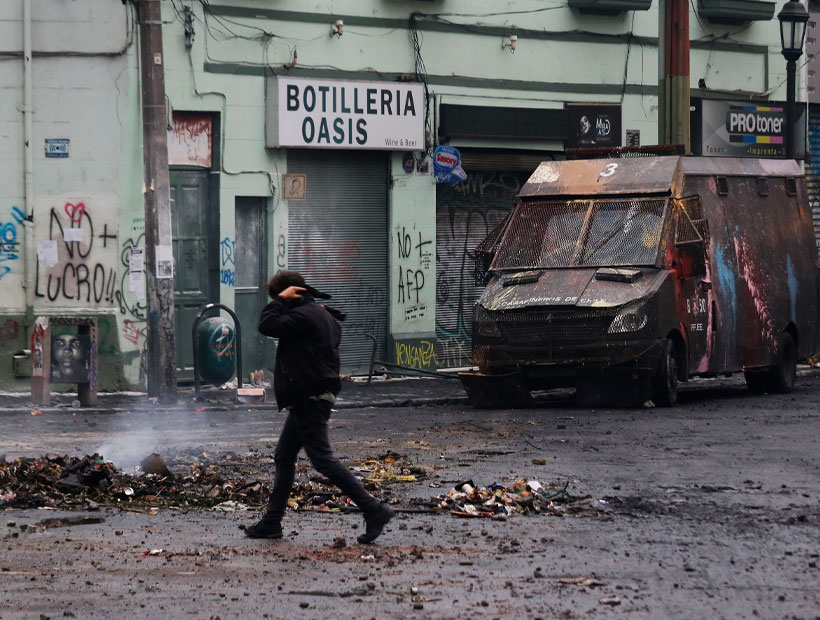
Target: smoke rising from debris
129, 446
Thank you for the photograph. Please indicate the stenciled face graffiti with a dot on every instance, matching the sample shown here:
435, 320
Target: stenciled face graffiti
70, 355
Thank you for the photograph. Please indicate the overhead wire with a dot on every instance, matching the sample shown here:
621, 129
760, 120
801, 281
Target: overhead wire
224, 29
421, 76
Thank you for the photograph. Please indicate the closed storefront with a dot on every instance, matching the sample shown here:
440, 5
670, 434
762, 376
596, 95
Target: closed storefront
337, 238
465, 213
338, 135
468, 210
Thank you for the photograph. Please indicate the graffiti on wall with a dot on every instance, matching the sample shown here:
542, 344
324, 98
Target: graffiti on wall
133, 307
281, 251
9, 330
337, 262
414, 264
189, 140
134, 331
466, 213
85, 268
227, 252
137, 306
416, 353
90, 266
9, 245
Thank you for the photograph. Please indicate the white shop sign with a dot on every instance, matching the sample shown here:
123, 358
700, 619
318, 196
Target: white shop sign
343, 114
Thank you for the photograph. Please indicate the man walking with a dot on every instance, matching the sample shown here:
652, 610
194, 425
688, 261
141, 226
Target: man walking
306, 381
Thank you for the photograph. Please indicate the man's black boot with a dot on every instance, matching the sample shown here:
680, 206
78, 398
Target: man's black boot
264, 529
374, 524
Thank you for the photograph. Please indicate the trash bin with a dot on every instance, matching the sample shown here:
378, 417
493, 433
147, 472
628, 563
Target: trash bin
216, 338
22, 363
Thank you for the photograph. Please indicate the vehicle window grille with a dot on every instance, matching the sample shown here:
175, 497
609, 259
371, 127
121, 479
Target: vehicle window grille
623, 232
602, 232
686, 230
690, 225
693, 207
542, 234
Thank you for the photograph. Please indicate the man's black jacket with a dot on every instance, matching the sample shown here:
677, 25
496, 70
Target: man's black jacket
307, 359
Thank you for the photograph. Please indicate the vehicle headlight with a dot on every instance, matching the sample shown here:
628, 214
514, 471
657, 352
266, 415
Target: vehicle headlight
631, 318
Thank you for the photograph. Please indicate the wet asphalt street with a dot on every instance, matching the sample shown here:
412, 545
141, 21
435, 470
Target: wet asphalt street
706, 510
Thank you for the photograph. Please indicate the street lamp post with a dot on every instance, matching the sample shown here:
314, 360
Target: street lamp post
793, 17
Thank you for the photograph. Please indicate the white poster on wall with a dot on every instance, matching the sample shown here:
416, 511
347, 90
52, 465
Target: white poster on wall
136, 284
165, 262
344, 114
73, 234
136, 261
47, 253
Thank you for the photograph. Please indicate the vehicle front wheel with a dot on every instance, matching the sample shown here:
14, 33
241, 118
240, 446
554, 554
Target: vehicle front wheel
665, 382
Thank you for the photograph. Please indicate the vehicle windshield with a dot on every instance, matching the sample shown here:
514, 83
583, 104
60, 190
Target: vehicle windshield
597, 233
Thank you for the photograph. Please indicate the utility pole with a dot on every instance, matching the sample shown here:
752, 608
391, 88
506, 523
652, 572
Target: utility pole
673, 89
159, 274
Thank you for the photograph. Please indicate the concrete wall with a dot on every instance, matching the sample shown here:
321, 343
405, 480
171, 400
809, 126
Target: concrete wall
84, 89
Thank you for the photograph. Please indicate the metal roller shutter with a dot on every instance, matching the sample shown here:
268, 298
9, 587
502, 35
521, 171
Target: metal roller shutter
812, 166
337, 238
465, 214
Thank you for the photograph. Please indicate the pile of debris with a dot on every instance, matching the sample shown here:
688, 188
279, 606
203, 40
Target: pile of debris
496, 501
377, 476
190, 479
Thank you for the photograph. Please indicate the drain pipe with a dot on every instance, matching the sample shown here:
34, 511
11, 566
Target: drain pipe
28, 158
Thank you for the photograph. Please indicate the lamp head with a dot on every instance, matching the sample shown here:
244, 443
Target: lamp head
793, 18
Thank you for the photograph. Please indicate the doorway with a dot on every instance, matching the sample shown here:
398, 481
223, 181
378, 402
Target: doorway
193, 263
250, 291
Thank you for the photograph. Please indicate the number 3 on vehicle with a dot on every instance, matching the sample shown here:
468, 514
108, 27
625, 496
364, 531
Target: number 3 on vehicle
609, 170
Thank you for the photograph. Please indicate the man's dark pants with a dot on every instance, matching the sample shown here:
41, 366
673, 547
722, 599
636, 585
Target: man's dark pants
306, 427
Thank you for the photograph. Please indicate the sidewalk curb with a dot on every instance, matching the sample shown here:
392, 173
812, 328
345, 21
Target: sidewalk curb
138, 405
137, 402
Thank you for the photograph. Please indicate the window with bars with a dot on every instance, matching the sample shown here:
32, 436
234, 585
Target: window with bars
599, 232
691, 225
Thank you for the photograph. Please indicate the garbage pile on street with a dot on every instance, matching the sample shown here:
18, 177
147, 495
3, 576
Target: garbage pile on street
377, 475
496, 501
192, 479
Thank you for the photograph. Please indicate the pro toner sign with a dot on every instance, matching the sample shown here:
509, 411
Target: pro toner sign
343, 114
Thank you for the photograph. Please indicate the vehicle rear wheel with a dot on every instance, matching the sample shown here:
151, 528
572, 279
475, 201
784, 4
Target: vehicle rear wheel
665, 382
782, 374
